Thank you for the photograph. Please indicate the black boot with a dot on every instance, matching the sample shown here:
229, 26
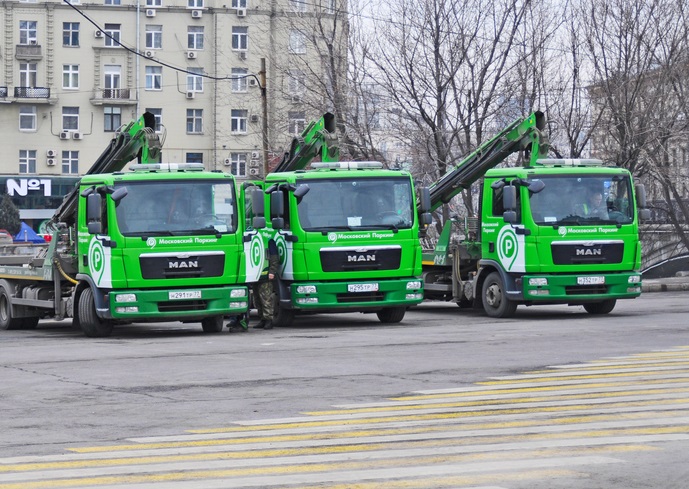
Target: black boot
268, 325
261, 324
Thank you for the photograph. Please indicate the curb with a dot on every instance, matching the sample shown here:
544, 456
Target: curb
664, 287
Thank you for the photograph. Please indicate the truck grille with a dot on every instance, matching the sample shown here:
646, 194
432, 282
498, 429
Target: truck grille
586, 289
587, 252
360, 259
360, 297
170, 265
182, 306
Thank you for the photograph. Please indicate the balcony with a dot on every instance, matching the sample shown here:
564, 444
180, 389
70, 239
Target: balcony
32, 92
3, 92
28, 52
114, 96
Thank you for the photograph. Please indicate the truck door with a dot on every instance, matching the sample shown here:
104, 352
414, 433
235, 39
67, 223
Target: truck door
503, 241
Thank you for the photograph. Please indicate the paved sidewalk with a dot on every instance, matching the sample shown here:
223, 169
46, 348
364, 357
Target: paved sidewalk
669, 284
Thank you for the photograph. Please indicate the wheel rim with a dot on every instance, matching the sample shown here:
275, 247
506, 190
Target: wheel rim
494, 295
4, 315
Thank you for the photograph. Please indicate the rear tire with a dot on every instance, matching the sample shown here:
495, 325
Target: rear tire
495, 302
391, 315
91, 324
6, 319
282, 317
598, 308
212, 324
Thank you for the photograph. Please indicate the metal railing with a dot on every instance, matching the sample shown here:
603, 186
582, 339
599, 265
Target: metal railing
31, 92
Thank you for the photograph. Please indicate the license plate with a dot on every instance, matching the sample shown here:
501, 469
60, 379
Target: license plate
590, 280
185, 294
362, 287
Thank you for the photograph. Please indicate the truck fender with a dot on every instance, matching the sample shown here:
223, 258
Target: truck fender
102, 306
488, 266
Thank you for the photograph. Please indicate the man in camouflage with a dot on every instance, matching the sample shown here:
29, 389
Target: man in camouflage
264, 291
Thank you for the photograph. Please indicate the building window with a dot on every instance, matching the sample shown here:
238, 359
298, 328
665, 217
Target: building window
240, 38
158, 114
112, 2
296, 83
195, 37
297, 42
154, 3
70, 33
296, 122
194, 121
329, 6
194, 158
238, 164
195, 3
154, 78
70, 76
112, 118
195, 81
70, 118
27, 74
112, 38
70, 162
28, 32
239, 80
111, 78
154, 37
238, 4
27, 118
298, 5
238, 121
27, 161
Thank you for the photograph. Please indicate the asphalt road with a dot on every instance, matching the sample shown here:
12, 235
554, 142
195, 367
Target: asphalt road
448, 398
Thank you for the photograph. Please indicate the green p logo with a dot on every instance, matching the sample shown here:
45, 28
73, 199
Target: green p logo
508, 247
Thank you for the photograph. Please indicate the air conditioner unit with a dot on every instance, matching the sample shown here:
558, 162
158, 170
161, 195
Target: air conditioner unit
33, 42
64, 135
242, 55
150, 12
51, 153
254, 117
191, 54
227, 162
149, 54
253, 171
77, 135
253, 82
98, 34
255, 155
191, 94
196, 14
50, 162
241, 12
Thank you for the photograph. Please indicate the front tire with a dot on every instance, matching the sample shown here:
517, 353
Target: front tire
391, 315
212, 324
282, 317
495, 301
599, 308
91, 324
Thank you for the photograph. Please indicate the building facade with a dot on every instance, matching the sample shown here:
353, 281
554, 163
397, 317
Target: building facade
72, 73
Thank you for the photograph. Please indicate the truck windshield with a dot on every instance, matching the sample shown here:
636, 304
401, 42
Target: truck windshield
582, 200
357, 203
176, 208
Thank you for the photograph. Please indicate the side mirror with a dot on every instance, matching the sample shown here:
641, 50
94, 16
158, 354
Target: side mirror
424, 200
640, 196
644, 215
119, 194
93, 210
277, 204
301, 191
258, 222
257, 202
509, 198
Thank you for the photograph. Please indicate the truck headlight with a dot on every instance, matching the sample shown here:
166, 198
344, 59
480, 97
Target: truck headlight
122, 310
238, 305
125, 297
538, 281
307, 300
306, 289
416, 284
238, 293
634, 279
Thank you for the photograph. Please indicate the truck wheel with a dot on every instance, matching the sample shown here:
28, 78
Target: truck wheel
282, 317
391, 314
6, 319
91, 324
212, 324
495, 302
603, 307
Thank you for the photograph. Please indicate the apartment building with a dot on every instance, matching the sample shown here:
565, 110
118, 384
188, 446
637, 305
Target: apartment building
71, 73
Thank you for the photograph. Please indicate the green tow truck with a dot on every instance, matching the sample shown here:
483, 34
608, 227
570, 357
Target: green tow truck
347, 232
535, 240
161, 242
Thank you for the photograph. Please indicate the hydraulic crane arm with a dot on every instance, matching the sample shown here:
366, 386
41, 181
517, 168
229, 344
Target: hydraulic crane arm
520, 135
137, 139
318, 137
